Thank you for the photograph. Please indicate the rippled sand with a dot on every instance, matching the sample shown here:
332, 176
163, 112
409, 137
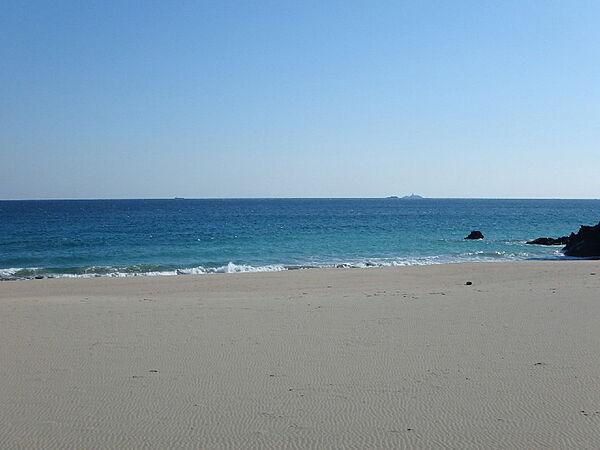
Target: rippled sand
404, 357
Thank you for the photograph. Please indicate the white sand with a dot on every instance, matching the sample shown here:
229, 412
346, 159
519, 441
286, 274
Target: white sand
407, 357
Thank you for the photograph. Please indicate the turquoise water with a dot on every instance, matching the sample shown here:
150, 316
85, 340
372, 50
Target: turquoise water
128, 237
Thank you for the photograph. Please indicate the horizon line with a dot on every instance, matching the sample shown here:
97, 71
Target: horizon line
290, 198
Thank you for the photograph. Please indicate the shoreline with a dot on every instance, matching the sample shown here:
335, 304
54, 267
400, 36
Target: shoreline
486, 266
8, 274
393, 357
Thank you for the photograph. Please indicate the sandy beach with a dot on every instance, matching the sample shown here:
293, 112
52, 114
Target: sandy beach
364, 358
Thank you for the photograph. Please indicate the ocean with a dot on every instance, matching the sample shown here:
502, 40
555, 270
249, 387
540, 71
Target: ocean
84, 238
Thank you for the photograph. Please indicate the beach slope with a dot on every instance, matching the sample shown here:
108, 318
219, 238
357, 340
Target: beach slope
389, 357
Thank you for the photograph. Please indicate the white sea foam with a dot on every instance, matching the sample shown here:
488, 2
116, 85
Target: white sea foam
231, 268
10, 272
133, 271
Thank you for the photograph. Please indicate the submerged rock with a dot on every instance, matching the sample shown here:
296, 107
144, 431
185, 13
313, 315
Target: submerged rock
584, 243
475, 234
563, 240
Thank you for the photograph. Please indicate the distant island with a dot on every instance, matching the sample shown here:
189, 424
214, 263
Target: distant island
412, 197
407, 197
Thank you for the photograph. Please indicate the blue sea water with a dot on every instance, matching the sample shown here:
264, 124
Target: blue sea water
131, 237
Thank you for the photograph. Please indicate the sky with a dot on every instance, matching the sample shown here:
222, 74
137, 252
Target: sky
156, 99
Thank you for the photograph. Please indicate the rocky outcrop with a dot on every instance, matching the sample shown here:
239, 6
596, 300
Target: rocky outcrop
584, 243
563, 240
475, 234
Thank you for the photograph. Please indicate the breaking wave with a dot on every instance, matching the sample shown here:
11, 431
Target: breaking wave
157, 270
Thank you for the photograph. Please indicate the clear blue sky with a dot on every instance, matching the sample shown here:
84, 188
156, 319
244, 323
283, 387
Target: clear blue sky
299, 98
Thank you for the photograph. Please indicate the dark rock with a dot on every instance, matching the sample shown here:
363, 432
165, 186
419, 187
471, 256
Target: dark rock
563, 240
584, 243
39, 277
475, 235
